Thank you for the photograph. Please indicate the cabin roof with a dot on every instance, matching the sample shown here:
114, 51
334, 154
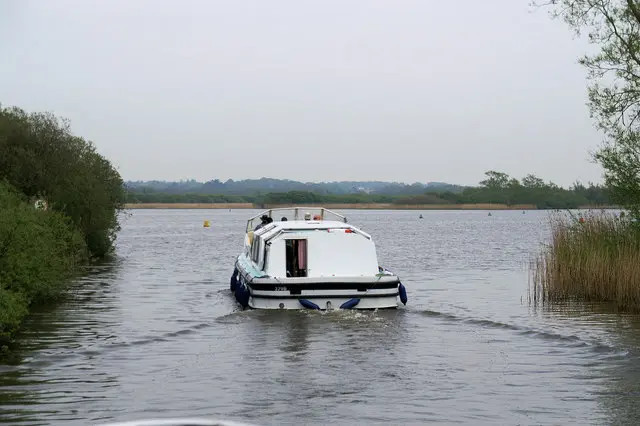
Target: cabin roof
303, 225
275, 228
311, 224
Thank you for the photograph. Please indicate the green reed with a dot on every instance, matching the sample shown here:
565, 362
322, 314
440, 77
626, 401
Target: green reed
596, 259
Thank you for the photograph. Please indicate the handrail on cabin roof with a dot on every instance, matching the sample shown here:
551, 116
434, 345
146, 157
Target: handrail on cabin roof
298, 212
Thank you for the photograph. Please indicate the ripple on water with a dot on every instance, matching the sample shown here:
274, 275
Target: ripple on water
155, 332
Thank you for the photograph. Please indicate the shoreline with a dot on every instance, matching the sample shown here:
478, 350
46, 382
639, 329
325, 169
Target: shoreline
330, 206
345, 206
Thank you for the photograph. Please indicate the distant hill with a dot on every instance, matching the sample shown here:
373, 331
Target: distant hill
266, 185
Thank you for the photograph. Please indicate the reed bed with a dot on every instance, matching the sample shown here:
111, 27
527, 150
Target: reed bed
189, 206
364, 206
392, 206
596, 259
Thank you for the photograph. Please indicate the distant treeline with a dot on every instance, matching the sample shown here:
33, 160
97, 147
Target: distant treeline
59, 203
498, 188
251, 187
291, 197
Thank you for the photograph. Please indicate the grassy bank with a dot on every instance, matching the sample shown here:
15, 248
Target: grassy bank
41, 249
597, 260
370, 206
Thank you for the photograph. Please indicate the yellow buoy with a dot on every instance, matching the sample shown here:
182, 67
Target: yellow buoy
207, 224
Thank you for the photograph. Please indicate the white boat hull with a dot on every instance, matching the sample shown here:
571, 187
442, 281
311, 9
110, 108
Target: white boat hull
377, 292
324, 303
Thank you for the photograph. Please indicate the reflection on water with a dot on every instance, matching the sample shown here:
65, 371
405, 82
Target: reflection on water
33, 391
619, 398
155, 333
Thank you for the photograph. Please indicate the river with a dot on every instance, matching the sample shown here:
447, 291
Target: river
156, 333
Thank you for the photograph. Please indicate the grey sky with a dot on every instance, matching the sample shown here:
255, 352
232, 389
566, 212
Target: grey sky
400, 90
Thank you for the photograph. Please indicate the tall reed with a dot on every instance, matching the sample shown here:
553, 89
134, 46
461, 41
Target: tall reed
596, 259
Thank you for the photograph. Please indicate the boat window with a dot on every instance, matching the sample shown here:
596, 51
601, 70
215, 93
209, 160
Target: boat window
296, 257
255, 248
265, 255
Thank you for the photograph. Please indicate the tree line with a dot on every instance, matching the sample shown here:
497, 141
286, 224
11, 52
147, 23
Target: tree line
497, 188
59, 204
249, 187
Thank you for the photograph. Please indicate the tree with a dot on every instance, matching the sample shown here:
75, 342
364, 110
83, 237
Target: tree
614, 91
532, 181
41, 157
495, 180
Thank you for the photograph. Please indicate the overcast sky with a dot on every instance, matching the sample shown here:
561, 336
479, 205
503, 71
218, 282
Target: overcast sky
422, 90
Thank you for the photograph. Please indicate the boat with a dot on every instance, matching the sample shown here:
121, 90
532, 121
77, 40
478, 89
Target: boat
311, 258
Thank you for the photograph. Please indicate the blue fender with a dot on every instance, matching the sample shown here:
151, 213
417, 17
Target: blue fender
403, 293
234, 280
237, 291
308, 304
349, 303
242, 294
246, 294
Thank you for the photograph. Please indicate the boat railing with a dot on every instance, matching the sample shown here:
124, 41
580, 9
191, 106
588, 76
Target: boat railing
295, 213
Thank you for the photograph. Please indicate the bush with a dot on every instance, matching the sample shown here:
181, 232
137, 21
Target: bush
39, 252
42, 158
597, 260
13, 307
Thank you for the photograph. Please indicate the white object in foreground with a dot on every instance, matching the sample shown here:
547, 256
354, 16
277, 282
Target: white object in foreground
176, 422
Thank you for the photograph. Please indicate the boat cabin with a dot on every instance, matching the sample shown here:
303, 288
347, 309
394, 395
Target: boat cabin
308, 246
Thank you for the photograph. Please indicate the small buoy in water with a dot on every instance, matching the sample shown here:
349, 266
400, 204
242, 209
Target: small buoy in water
489, 214
206, 224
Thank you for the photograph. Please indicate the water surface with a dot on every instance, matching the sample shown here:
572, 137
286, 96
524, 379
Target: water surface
156, 333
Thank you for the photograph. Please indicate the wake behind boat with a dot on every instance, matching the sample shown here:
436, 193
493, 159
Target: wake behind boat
313, 261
